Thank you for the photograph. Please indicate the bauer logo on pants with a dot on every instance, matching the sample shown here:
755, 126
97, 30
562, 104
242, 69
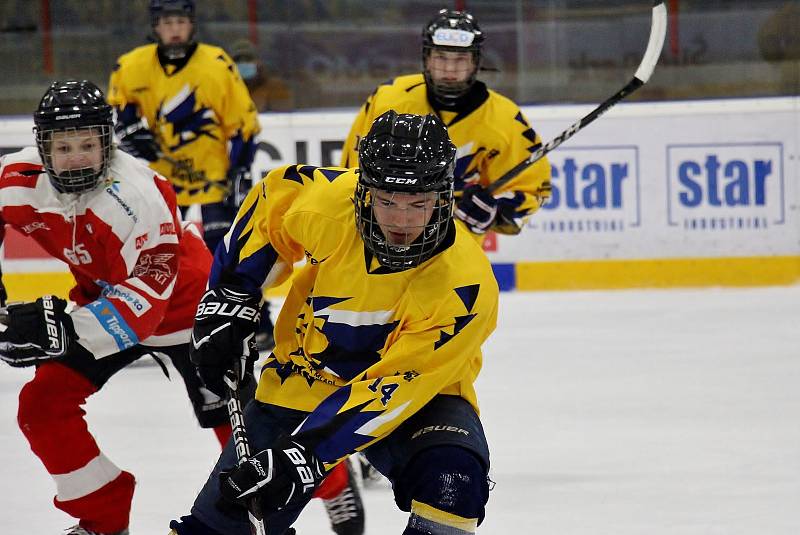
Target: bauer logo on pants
725, 187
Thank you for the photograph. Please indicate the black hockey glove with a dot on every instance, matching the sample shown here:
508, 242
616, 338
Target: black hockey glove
137, 140
477, 208
239, 183
224, 330
284, 475
36, 332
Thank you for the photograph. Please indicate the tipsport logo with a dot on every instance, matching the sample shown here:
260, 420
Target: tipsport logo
594, 190
725, 187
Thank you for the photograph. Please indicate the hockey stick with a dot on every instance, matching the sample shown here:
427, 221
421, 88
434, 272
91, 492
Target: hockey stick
242, 445
658, 30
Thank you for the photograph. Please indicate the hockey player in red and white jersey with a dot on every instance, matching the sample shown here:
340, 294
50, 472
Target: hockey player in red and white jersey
139, 276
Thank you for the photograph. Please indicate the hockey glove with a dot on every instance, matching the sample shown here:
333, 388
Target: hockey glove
239, 183
224, 330
284, 475
36, 332
477, 208
137, 140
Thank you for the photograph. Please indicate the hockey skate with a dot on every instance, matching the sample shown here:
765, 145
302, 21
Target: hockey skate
78, 530
346, 511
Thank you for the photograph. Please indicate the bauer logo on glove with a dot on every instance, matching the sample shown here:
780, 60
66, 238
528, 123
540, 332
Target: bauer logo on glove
36, 332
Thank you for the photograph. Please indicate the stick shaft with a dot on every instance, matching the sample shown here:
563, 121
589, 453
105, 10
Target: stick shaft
658, 31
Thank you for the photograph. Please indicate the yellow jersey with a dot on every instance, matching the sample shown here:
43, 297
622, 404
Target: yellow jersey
491, 134
359, 346
193, 111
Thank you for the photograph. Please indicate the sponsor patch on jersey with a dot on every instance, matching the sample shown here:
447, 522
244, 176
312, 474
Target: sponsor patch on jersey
111, 190
21, 174
166, 229
141, 240
135, 301
452, 37
33, 227
113, 323
156, 267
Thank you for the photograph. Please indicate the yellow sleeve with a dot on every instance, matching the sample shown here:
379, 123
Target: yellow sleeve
426, 357
359, 129
238, 114
262, 245
524, 194
117, 94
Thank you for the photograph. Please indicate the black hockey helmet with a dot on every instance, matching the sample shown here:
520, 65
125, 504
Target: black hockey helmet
405, 154
71, 106
164, 8
453, 31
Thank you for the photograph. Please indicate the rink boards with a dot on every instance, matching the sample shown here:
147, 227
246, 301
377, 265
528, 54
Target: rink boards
694, 193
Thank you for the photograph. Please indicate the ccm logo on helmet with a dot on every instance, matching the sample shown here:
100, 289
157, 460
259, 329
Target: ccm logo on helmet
400, 180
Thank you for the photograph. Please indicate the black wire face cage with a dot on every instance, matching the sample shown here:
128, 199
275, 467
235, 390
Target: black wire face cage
76, 180
399, 257
449, 91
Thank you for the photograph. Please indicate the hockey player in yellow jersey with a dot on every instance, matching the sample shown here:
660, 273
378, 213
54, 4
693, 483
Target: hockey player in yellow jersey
377, 346
489, 130
180, 105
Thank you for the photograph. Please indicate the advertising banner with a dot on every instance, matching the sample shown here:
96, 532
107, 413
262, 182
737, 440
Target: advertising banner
651, 190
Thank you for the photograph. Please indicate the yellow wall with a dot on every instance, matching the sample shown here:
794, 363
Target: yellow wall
532, 276
661, 273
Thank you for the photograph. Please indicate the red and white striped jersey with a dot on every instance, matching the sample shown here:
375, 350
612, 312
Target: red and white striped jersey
139, 272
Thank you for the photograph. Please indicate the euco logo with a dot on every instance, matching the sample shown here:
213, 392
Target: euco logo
594, 189
452, 37
725, 187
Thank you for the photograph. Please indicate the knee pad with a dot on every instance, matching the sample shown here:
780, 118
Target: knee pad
54, 392
446, 489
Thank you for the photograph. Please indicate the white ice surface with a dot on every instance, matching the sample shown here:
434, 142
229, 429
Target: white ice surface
636, 412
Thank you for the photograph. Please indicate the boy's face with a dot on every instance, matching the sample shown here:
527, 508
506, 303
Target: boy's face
71, 150
449, 67
402, 216
173, 29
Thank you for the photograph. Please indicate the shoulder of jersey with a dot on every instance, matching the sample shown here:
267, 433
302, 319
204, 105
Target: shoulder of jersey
24, 155
463, 263
213, 55
17, 168
330, 194
402, 86
138, 55
136, 180
502, 102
